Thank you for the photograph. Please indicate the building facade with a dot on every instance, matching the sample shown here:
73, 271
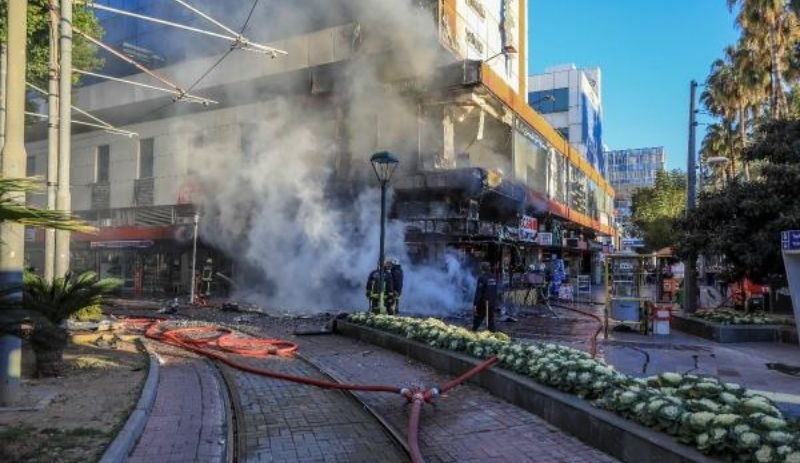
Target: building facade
481, 172
571, 101
630, 169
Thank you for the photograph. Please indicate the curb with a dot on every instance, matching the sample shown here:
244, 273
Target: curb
121, 446
621, 438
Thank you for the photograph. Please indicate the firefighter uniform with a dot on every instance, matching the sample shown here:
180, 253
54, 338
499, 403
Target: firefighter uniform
487, 298
397, 286
373, 290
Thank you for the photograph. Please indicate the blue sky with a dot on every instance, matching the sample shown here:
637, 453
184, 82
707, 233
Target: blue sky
648, 52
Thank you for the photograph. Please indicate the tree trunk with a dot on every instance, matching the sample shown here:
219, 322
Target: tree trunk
48, 341
49, 362
743, 138
777, 98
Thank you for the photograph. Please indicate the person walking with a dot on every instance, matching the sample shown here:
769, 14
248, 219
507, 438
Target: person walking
487, 298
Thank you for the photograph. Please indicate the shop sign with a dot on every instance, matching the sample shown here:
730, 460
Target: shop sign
545, 239
790, 240
507, 232
632, 242
528, 228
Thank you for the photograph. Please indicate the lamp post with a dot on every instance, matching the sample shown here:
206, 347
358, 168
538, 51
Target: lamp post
384, 163
194, 258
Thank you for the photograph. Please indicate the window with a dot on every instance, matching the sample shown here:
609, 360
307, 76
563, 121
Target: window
550, 101
102, 163
564, 132
30, 166
146, 148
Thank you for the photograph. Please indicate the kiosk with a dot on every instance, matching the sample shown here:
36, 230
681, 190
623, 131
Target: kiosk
625, 294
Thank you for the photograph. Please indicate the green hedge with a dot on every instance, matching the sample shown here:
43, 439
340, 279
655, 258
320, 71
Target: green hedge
732, 317
720, 419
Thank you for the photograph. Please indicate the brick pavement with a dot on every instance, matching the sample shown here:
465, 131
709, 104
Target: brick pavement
188, 419
290, 422
470, 425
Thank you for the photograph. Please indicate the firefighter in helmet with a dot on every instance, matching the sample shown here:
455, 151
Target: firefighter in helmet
397, 286
207, 277
380, 288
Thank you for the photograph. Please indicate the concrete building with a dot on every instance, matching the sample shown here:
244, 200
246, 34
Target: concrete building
480, 171
571, 100
630, 169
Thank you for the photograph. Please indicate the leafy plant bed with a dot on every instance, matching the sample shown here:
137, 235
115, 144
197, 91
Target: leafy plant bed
723, 333
721, 419
732, 317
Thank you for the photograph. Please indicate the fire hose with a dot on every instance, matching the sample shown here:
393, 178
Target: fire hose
600, 324
215, 341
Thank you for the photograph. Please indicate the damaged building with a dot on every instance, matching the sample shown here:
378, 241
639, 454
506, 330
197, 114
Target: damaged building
480, 173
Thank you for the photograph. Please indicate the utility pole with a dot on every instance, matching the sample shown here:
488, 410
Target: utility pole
3, 74
13, 157
52, 143
63, 200
690, 275
194, 259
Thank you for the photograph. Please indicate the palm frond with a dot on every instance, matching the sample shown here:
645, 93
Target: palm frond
65, 295
14, 209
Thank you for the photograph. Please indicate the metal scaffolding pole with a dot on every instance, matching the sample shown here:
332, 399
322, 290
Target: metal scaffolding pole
13, 159
239, 38
99, 123
3, 73
52, 143
63, 195
187, 97
236, 39
105, 128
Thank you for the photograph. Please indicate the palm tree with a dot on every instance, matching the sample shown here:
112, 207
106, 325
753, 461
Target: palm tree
14, 209
721, 97
13, 317
770, 25
47, 304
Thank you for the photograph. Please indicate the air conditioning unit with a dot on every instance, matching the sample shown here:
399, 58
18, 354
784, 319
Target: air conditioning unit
572, 242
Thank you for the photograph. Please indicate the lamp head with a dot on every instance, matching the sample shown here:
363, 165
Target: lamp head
384, 163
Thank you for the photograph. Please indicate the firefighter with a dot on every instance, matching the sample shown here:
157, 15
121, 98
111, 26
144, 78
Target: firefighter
208, 277
487, 298
397, 285
377, 278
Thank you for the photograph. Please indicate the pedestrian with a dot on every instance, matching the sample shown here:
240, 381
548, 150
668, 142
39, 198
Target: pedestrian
397, 284
487, 298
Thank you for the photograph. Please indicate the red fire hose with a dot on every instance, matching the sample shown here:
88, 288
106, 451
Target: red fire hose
201, 340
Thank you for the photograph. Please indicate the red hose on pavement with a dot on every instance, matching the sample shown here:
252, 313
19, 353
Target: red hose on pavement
200, 340
413, 431
593, 339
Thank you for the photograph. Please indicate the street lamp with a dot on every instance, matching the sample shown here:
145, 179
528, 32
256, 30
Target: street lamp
719, 161
194, 258
384, 163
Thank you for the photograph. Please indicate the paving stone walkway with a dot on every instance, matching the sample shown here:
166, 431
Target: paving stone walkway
188, 419
290, 422
469, 425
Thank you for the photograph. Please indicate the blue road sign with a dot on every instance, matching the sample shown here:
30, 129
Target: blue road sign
790, 240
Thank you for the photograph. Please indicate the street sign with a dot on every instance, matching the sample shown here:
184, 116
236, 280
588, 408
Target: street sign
632, 242
790, 240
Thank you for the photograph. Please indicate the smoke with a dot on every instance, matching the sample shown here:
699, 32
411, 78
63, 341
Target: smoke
299, 209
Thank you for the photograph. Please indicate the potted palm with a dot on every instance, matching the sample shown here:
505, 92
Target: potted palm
49, 304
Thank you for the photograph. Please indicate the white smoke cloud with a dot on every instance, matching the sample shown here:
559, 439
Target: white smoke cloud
308, 245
